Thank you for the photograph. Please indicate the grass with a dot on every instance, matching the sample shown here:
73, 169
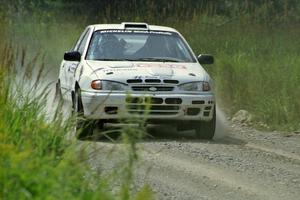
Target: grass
257, 58
37, 161
34, 161
257, 68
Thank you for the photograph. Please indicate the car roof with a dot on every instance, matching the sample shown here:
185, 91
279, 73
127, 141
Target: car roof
122, 27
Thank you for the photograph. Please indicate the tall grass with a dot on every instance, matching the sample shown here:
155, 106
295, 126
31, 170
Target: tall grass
37, 159
257, 67
256, 46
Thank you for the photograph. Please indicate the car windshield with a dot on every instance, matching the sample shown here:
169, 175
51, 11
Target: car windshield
136, 45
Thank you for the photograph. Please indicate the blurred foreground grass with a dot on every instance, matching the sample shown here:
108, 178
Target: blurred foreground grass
37, 161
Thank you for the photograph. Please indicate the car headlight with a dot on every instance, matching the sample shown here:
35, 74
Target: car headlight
108, 85
195, 86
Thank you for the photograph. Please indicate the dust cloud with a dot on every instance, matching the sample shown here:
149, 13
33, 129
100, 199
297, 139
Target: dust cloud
222, 126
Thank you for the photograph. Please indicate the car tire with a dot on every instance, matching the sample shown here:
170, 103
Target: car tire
206, 130
83, 127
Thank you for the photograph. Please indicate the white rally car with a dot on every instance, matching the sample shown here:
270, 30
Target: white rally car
114, 70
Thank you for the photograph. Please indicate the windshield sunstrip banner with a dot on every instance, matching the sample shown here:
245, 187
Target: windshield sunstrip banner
137, 31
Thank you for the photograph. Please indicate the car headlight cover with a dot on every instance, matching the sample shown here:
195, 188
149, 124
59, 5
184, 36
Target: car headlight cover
108, 85
195, 86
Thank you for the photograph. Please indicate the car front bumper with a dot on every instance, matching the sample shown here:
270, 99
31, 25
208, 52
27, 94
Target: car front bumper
100, 105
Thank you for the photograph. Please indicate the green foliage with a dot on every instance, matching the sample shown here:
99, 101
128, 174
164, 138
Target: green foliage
145, 194
37, 159
153, 11
256, 67
255, 43
37, 162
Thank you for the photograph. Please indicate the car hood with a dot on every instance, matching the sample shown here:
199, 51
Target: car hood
124, 70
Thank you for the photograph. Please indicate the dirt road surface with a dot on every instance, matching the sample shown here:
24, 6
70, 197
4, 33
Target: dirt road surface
241, 163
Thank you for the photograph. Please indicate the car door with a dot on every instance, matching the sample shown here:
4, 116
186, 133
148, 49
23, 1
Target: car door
64, 69
71, 66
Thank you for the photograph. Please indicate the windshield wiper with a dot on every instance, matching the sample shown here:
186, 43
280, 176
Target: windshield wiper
160, 59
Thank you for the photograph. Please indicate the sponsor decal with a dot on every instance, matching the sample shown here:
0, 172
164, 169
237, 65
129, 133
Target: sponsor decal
147, 77
118, 69
173, 66
137, 31
72, 68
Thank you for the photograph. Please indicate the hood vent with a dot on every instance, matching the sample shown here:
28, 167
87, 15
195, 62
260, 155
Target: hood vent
132, 25
151, 81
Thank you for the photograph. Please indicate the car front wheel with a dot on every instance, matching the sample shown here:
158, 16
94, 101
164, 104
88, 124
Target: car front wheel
206, 129
83, 127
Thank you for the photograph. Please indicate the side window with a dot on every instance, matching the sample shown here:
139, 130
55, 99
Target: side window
94, 48
83, 42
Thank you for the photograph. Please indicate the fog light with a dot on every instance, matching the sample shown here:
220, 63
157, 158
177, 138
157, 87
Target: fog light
111, 110
206, 113
193, 111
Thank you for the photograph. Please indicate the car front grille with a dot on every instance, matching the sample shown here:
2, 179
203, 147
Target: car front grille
151, 88
152, 84
153, 106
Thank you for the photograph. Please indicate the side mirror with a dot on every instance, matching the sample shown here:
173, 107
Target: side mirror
205, 59
72, 56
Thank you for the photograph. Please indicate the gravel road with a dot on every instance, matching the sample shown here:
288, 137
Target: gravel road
242, 163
